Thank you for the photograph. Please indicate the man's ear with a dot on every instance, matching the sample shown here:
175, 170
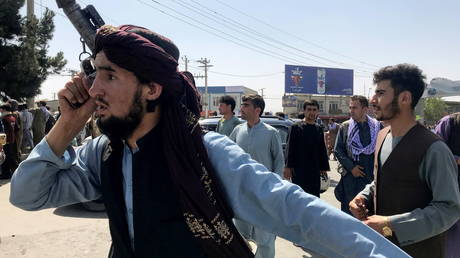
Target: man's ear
405, 98
258, 109
153, 91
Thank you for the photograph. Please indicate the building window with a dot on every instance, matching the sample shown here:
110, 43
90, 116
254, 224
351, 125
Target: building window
333, 106
321, 106
215, 101
300, 106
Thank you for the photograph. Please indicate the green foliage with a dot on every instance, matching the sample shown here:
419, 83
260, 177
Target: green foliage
24, 60
435, 109
9, 19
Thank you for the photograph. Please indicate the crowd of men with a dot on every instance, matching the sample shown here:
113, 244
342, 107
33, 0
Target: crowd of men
24, 128
353, 144
398, 188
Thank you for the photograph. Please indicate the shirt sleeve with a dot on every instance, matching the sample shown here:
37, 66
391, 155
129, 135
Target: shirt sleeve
323, 159
290, 147
2, 158
439, 171
45, 180
218, 126
443, 129
368, 194
340, 151
277, 153
263, 199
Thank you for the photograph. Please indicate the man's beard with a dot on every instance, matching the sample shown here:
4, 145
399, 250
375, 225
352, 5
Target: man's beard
123, 128
393, 110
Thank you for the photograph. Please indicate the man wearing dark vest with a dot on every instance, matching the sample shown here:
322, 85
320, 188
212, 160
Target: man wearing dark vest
448, 129
414, 197
169, 188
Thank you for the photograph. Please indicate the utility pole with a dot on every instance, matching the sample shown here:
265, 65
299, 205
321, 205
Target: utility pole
30, 8
30, 14
186, 61
262, 92
364, 89
205, 63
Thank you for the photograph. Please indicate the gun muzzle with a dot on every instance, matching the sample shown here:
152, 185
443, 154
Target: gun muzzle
86, 20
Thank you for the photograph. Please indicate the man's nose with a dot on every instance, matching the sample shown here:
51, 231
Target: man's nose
374, 99
95, 89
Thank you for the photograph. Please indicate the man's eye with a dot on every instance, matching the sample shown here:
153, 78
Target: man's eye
111, 77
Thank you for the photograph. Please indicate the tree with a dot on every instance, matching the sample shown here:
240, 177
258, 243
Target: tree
435, 109
24, 60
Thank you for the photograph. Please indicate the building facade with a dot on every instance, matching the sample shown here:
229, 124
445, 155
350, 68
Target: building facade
215, 92
329, 105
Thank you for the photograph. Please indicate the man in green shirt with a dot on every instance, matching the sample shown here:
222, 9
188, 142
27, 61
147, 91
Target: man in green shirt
229, 120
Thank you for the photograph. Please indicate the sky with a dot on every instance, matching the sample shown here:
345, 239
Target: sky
250, 42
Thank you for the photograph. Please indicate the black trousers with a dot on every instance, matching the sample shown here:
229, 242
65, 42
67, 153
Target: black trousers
11, 160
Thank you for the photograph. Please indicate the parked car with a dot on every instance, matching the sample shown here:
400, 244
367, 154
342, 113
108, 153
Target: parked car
282, 125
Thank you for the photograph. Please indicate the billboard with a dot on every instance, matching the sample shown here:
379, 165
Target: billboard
318, 80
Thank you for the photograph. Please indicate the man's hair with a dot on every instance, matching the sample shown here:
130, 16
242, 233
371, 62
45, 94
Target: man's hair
310, 102
6, 107
256, 100
363, 101
42, 103
228, 100
14, 104
22, 107
403, 77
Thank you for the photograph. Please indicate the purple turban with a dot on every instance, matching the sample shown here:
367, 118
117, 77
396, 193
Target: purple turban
151, 57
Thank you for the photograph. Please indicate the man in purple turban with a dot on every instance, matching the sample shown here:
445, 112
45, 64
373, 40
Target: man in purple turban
170, 189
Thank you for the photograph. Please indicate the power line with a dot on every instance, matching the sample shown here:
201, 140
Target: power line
103, 16
247, 76
249, 32
227, 34
228, 38
237, 75
295, 36
56, 12
263, 75
258, 47
226, 20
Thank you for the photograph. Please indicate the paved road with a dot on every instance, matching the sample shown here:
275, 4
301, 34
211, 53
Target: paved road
73, 232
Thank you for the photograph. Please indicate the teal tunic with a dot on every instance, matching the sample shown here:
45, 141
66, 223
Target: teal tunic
226, 127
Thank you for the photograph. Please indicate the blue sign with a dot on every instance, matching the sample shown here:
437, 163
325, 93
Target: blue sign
318, 80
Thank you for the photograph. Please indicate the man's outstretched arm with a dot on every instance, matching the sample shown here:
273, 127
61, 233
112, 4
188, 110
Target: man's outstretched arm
263, 199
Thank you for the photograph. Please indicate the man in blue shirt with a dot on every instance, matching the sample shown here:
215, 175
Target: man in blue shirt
148, 113
263, 143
